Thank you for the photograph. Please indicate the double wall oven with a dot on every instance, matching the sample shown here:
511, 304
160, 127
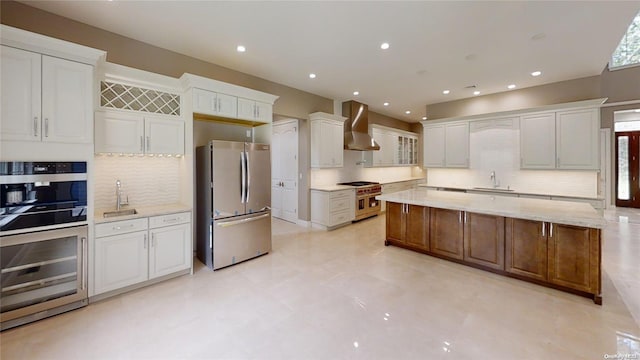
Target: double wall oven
366, 203
43, 240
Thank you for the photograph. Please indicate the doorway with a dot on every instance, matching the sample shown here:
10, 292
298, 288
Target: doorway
284, 170
628, 168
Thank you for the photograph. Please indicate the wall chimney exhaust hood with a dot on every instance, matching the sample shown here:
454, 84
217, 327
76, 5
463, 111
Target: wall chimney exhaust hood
356, 127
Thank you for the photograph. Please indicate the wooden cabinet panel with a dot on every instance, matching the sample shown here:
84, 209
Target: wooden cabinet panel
574, 257
417, 226
526, 248
446, 233
484, 240
395, 225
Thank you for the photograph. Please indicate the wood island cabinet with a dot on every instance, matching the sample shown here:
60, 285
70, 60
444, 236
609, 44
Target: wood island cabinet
574, 257
446, 229
526, 248
484, 240
563, 257
408, 224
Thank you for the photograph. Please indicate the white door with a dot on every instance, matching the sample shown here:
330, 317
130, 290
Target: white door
20, 88
284, 170
119, 133
67, 101
169, 250
120, 260
163, 136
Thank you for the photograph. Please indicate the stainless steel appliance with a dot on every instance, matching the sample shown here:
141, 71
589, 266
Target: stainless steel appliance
366, 203
356, 127
43, 240
233, 196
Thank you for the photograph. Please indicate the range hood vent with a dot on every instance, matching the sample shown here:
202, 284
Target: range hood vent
356, 127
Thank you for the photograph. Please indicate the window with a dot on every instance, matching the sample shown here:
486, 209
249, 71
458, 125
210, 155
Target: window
628, 51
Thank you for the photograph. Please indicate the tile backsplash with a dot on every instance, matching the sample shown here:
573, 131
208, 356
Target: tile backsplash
147, 181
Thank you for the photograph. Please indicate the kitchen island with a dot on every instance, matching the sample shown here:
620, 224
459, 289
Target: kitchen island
551, 243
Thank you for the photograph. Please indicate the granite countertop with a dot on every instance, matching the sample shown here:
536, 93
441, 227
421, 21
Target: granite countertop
143, 211
409, 179
560, 212
332, 187
490, 191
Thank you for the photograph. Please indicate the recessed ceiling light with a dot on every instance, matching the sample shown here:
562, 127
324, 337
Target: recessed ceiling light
356, 93
536, 73
386, 104
384, 46
407, 112
446, 92
512, 86
476, 92
637, 110
241, 48
312, 76
424, 118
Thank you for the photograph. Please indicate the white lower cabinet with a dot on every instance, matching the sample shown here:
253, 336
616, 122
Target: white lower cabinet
330, 209
130, 252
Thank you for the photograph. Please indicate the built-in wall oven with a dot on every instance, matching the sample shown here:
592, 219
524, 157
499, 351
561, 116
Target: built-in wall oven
43, 240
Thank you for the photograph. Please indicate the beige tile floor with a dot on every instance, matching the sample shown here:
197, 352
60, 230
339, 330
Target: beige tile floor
343, 295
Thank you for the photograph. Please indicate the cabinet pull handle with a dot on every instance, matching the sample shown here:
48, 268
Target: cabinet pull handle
170, 220
141, 143
35, 126
465, 217
46, 127
153, 240
544, 229
460, 217
550, 229
122, 227
219, 109
148, 143
145, 241
83, 263
558, 162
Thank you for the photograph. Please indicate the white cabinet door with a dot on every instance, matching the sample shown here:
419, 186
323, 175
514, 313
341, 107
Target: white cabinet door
264, 112
227, 105
578, 139
67, 101
434, 146
204, 102
20, 87
538, 141
119, 133
246, 109
457, 145
163, 136
327, 141
170, 250
120, 261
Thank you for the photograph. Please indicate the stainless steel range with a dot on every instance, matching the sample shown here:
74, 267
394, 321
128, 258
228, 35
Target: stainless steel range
366, 203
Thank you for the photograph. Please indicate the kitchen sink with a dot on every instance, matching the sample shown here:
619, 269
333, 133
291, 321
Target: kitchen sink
492, 189
120, 213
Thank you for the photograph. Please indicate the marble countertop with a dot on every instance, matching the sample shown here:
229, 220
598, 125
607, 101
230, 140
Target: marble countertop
347, 187
143, 211
560, 212
409, 179
509, 192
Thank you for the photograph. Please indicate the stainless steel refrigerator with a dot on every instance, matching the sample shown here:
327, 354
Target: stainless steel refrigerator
233, 200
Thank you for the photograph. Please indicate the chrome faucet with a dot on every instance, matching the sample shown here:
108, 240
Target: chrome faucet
119, 201
495, 181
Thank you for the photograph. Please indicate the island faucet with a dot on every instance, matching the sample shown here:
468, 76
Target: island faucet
495, 181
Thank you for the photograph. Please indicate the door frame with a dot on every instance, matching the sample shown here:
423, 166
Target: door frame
605, 167
284, 122
633, 203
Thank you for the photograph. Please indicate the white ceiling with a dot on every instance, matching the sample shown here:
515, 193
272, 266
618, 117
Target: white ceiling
434, 45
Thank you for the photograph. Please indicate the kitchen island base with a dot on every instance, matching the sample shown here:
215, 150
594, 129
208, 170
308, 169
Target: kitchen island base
559, 256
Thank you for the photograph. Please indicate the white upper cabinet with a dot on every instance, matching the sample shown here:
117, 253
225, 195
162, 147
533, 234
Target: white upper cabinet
397, 147
45, 98
434, 146
561, 140
129, 133
446, 145
327, 140
254, 110
538, 141
212, 103
456, 138
578, 139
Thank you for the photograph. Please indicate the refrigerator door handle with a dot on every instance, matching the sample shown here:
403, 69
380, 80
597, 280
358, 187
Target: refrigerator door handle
248, 177
242, 221
243, 167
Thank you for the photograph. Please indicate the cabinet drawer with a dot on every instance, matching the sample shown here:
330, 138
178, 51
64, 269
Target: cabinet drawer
120, 227
171, 219
340, 217
340, 204
341, 194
